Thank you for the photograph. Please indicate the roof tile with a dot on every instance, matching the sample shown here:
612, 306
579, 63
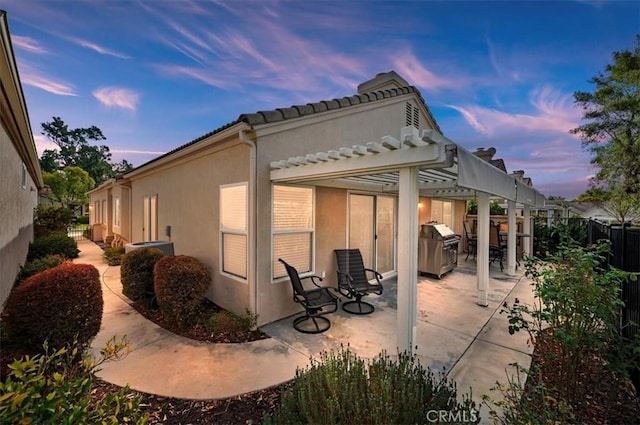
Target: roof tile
319, 106
304, 109
288, 113
272, 115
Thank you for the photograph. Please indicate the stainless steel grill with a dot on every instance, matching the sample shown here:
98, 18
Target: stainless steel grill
437, 249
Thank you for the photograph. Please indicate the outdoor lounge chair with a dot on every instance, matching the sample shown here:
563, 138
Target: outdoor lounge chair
317, 302
497, 246
353, 281
471, 242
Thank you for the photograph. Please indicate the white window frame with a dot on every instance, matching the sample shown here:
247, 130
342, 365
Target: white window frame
442, 201
231, 231
305, 230
116, 212
24, 177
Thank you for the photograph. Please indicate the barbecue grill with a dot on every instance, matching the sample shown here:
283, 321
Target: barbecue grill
437, 249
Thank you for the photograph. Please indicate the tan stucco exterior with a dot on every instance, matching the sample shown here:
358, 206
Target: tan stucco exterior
186, 186
20, 177
187, 191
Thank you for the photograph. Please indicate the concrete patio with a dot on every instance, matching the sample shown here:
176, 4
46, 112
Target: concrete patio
454, 335
470, 343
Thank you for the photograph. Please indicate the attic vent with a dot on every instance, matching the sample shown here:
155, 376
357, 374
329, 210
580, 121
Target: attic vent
412, 116
408, 114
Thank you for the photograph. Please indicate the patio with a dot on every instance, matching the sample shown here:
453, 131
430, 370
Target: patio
454, 334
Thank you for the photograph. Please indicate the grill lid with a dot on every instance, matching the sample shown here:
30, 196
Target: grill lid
440, 228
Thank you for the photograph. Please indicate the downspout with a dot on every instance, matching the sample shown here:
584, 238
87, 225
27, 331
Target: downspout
253, 210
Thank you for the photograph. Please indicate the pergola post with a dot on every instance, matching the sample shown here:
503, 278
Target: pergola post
482, 262
511, 238
526, 229
407, 258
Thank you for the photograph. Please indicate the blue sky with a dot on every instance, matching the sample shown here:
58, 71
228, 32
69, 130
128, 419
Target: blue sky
154, 75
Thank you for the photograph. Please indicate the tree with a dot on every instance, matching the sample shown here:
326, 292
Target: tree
616, 202
75, 150
612, 132
69, 187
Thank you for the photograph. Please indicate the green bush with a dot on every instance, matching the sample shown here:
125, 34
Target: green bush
226, 322
49, 218
136, 273
51, 244
55, 388
58, 305
113, 255
577, 311
83, 219
180, 283
341, 388
38, 265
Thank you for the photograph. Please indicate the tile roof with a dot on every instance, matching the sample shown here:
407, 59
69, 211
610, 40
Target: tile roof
297, 111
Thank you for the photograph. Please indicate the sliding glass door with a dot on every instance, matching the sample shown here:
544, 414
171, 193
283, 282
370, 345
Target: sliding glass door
372, 230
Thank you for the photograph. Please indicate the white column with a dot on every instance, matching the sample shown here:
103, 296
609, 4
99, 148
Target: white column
407, 258
511, 238
526, 229
482, 262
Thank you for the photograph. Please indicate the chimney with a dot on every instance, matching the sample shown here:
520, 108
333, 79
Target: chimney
518, 174
485, 154
382, 81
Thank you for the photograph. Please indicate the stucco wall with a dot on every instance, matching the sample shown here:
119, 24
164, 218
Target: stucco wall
188, 198
16, 214
316, 133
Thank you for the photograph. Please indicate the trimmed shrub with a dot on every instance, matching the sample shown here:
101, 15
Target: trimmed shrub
59, 305
113, 256
342, 388
51, 244
136, 273
50, 218
83, 219
226, 322
180, 283
56, 388
38, 265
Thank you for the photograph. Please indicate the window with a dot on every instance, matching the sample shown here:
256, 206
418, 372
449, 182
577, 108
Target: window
97, 218
293, 228
442, 212
24, 177
233, 229
116, 212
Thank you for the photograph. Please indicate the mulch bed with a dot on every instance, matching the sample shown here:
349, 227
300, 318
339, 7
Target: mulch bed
198, 330
247, 408
606, 398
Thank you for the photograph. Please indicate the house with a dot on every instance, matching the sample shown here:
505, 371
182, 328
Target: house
297, 183
20, 177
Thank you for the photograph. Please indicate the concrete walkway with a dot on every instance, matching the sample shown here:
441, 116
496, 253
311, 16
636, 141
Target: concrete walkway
468, 342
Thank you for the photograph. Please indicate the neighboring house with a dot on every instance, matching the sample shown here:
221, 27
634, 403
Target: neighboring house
20, 177
593, 211
297, 183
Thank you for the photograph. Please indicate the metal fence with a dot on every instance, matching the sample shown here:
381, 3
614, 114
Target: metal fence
79, 232
625, 244
625, 255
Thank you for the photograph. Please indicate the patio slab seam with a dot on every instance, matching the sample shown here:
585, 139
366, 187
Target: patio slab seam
484, 326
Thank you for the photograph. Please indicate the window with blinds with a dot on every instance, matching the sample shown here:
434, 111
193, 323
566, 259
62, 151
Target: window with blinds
442, 212
292, 228
233, 229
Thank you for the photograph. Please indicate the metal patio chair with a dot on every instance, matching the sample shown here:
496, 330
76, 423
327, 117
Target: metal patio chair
317, 302
353, 282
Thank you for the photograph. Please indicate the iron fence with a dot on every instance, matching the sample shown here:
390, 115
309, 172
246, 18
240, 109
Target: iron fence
79, 232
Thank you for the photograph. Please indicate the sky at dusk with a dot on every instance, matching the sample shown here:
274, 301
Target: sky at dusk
154, 75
